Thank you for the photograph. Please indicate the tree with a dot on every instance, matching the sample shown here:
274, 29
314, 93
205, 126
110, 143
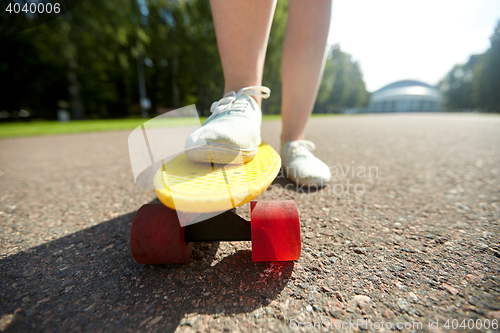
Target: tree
93, 44
90, 57
488, 85
186, 69
21, 88
272, 68
342, 84
476, 84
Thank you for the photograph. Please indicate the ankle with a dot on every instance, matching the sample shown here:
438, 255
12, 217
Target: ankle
237, 87
288, 138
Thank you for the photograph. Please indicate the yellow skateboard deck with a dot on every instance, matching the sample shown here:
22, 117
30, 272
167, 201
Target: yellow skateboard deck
192, 187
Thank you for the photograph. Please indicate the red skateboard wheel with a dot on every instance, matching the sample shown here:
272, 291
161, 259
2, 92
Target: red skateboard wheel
275, 231
157, 237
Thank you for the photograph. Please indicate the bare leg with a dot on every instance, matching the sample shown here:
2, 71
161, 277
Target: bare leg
242, 28
302, 63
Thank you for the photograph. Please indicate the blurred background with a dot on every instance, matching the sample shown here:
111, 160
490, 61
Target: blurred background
140, 58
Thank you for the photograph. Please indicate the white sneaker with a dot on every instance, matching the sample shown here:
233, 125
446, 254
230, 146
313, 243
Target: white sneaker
232, 132
302, 166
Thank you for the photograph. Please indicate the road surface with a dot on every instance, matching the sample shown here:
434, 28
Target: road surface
407, 232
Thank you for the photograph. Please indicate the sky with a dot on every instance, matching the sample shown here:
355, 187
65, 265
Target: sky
395, 40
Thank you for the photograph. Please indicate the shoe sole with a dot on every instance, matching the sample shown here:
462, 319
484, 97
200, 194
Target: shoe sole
311, 182
220, 154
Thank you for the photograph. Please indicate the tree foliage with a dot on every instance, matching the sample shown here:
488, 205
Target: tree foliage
90, 55
272, 68
476, 84
342, 85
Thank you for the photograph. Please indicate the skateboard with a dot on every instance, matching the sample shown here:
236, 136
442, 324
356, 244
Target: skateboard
199, 203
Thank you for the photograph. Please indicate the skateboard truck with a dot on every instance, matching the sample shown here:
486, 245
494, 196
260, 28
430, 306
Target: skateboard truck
274, 229
225, 227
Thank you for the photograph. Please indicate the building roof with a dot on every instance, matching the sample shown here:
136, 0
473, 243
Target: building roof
404, 83
406, 88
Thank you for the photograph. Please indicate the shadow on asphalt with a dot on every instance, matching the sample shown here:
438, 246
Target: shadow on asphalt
89, 281
284, 182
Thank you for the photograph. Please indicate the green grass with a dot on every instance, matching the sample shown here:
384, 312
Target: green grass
38, 128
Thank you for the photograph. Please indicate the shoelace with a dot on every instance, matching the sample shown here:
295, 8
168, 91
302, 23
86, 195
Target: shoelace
299, 147
230, 100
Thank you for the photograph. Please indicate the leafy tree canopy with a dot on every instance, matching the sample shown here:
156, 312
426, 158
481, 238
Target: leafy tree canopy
476, 84
90, 57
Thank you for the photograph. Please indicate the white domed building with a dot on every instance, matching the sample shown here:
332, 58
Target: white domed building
405, 96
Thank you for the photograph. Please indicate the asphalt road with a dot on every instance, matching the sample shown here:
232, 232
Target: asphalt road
411, 236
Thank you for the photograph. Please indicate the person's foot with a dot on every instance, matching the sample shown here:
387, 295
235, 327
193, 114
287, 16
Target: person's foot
302, 166
232, 133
